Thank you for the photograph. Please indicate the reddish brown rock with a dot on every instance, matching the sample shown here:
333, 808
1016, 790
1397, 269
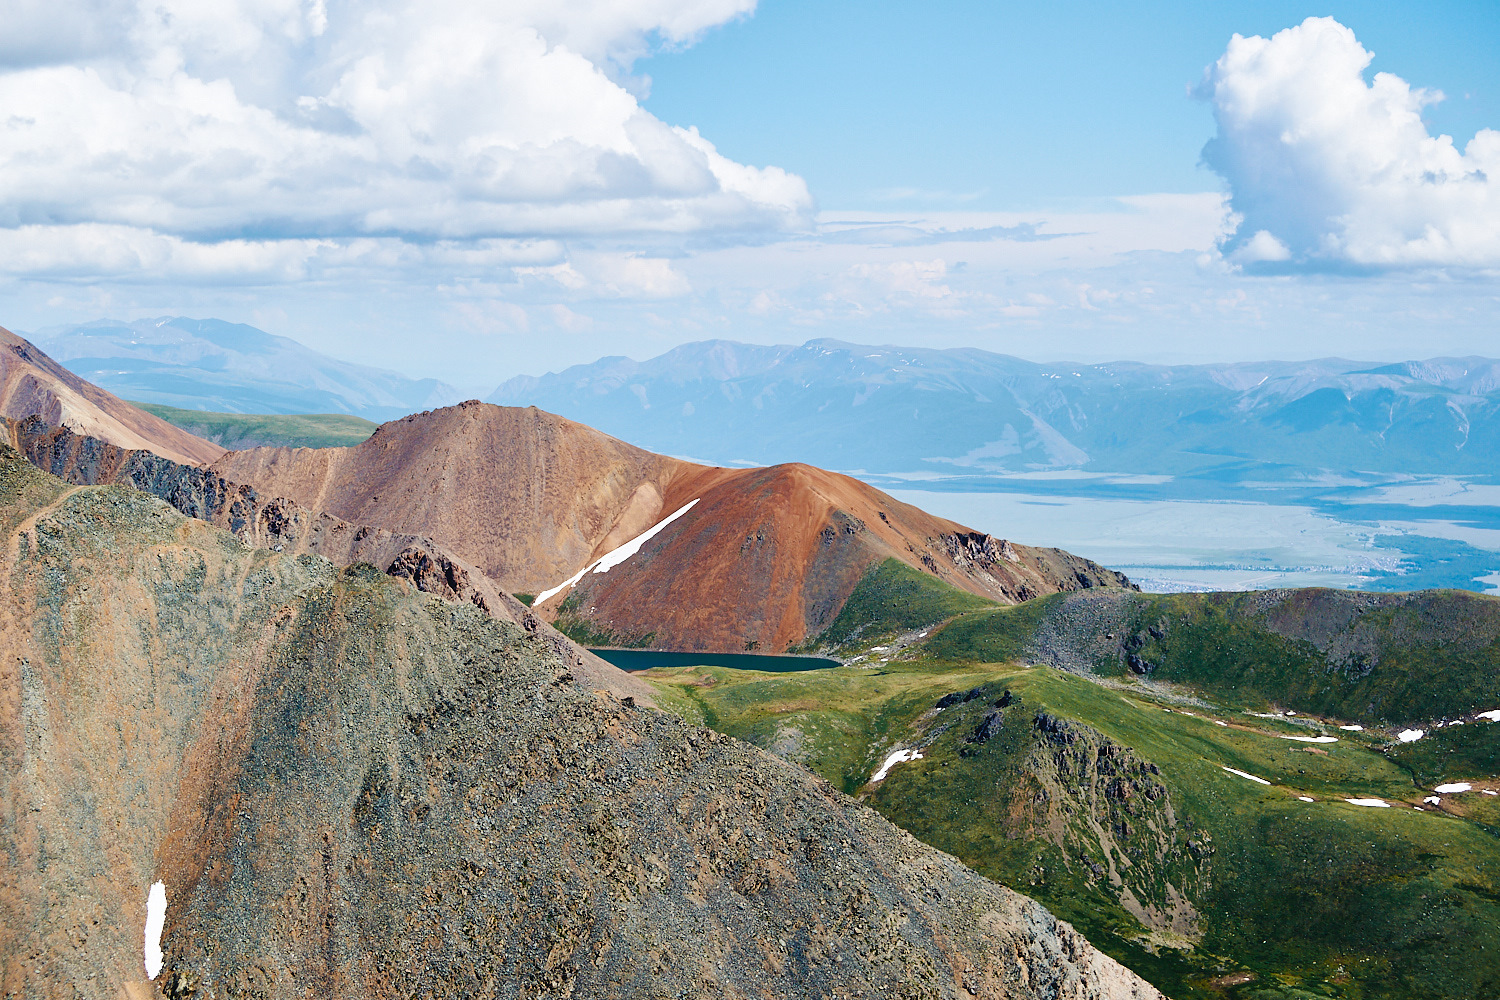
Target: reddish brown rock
765, 556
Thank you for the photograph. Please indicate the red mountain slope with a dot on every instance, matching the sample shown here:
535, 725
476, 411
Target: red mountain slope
764, 556
32, 384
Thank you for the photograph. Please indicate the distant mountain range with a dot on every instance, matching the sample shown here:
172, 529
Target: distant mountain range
208, 364
902, 410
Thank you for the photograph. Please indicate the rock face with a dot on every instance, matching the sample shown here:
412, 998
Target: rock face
1108, 812
33, 384
764, 558
352, 789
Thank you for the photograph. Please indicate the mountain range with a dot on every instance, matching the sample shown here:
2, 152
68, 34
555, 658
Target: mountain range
303, 715
208, 364
967, 412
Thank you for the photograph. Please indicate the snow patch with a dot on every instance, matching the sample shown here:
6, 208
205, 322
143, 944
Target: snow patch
1352, 729
1219, 722
156, 918
1242, 774
1312, 739
1410, 735
1433, 800
1488, 792
1372, 803
1493, 715
614, 556
1304, 798
896, 757
1453, 786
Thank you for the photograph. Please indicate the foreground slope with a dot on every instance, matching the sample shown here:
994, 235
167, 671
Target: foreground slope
353, 790
284, 526
32, 384
760, 558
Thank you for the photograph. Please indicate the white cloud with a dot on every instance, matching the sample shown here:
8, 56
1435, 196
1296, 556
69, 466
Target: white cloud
1326, 169
276, 120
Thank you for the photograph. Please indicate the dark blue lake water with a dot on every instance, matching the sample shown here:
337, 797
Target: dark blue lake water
645, 659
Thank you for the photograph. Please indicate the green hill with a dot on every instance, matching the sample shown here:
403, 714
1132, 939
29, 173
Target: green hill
238, 431
1107, 788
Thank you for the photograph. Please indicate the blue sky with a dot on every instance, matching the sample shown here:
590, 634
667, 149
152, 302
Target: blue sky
467, 190
1017, 106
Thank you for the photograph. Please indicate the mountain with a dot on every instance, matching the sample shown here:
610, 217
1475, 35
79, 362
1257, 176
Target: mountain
208, 364
971, 412
336, 786
31, 383
722, 559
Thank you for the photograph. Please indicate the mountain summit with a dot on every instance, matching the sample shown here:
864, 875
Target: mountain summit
736, 558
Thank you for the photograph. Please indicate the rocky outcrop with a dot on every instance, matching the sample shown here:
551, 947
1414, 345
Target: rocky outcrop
1377, 658
352, 789
1110, 815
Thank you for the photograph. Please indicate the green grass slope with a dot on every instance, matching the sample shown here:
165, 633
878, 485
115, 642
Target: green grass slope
1114, 808
1388, 659
237, 431
889, 599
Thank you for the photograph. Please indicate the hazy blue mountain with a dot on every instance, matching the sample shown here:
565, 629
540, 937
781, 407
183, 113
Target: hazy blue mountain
208, 364
899, 409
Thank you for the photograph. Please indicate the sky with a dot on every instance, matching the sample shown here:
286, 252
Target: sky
470, 190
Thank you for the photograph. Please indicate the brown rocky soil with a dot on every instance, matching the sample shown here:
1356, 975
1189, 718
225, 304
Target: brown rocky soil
764, 559
353, 789
33, 384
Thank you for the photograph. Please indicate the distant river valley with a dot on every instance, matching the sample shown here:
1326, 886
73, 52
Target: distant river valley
1183, 535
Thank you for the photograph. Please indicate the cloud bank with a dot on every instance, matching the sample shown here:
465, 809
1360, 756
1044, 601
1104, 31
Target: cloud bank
1327, 170
284, 132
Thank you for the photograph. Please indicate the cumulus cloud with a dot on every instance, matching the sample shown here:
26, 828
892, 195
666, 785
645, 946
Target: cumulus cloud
1326, 169
289, 121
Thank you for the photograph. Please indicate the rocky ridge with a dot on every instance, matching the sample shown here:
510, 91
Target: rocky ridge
282, 525
32, 384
